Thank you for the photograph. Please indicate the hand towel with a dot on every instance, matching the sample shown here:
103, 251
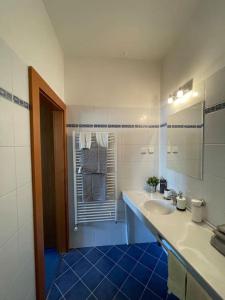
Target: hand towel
102, 139
221, 228
177, 277
218, 244
220, 235
194, 290
85, 140
94, 187
93, 160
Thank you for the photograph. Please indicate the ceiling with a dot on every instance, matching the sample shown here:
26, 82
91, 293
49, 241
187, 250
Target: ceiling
139, 29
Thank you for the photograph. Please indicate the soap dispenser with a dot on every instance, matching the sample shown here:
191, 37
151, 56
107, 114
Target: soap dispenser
181, 202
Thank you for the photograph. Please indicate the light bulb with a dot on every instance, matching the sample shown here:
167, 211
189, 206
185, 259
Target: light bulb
170, 100
180, 93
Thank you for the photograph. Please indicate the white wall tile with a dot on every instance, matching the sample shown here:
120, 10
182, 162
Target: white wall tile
214, 160
23, 165
8, 174
214, 195
23, 285
24, 203
8, 217
9, 262
6, 123
215, 88
21, 126
26, 243
6, 67
20, 79
214, 128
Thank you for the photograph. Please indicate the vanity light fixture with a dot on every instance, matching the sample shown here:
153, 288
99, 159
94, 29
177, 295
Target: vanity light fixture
183, 93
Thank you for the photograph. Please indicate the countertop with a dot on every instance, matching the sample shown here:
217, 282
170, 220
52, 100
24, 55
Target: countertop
190, 240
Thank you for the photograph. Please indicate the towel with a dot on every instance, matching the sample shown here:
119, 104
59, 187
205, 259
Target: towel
102, 139
218, 244
94, 187
220, 235
194, 290
93, 160
85, 140
177, 277
221, 228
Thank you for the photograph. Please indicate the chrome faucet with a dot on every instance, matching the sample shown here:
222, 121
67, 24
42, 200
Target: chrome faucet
173, 196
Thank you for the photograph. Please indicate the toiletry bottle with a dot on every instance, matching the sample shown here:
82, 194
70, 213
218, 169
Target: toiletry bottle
163, 185
181, 202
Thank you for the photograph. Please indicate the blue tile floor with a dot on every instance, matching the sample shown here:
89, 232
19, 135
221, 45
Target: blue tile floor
119, 272
52, 259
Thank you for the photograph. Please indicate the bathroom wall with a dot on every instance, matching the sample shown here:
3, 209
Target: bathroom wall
134, 165
200, 54
112, 82
115, 95
27, 29
16, 212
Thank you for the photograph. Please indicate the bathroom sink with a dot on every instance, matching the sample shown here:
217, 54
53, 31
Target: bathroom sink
160, 207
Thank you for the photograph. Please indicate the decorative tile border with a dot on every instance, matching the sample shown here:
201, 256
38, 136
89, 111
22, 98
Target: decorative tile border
215, 108
13, 98
185, 126
73, 125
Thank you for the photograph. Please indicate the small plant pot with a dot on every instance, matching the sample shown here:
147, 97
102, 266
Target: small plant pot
152, 188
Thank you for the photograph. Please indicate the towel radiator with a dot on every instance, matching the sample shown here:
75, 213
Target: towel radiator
95, 211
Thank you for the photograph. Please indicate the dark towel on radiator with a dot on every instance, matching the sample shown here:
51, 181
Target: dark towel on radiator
93, 160
94, 187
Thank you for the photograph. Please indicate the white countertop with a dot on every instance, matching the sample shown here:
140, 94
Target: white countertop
190, 240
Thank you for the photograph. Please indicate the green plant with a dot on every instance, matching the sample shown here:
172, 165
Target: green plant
153, 181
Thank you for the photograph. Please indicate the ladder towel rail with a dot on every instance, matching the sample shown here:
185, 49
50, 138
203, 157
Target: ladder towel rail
95, 211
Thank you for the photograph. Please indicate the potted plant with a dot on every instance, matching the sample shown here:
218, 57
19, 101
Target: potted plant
153, 182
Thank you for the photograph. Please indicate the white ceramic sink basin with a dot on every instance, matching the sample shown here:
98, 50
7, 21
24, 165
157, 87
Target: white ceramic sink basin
160, 207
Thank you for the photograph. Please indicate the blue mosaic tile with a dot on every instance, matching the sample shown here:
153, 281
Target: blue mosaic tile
79, 292
162, 270
148, 295
155, 250
164, 257
84, 250
149, 261
117, 276
72, 257
92, 278
120, 296
54, 293
94, 255
141, 273
123, 247
109, 290
82, 266
65, 281
104, 265
135, 252
158, 286
104, 249
127, 263
132, 288
115, 254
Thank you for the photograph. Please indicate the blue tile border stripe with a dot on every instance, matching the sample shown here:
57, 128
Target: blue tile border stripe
13, 98
215, 108
74, 125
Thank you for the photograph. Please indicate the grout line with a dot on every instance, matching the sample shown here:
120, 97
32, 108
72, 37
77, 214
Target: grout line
115, 265
151, 277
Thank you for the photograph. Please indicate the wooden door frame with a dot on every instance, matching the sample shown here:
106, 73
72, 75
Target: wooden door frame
37, 87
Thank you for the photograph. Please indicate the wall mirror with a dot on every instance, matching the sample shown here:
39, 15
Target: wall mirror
185, 141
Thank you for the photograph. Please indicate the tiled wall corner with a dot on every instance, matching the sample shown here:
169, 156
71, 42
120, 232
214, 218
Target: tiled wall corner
16, 211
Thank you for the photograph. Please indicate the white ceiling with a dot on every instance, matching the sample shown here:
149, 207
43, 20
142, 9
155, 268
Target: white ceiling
142, 29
